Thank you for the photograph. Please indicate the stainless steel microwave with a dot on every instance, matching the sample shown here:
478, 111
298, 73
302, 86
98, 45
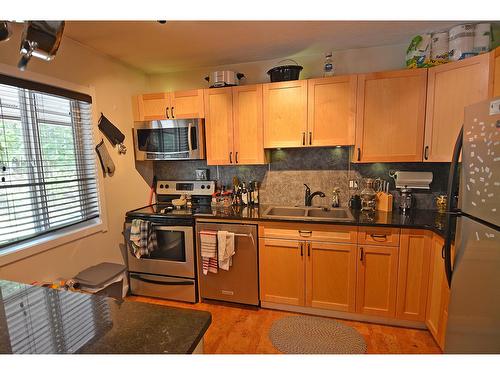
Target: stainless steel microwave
169, 139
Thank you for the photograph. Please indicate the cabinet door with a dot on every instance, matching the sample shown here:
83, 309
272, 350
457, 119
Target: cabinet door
331, 276
377, 280
152, 107
331, 111
281, 269
390, 116
451, 88
248, 125
413, 274
437, 284
219, 126
187, 104
285, 114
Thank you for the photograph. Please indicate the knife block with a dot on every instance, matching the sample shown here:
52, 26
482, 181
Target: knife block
384, 201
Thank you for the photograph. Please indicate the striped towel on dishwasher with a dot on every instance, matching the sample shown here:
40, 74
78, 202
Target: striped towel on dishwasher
208, 249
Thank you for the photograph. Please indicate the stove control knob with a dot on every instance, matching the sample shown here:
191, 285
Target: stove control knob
161, 186
203, 186
167, 186
208, 186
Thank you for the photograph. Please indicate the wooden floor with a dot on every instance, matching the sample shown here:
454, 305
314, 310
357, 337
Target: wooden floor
240, 330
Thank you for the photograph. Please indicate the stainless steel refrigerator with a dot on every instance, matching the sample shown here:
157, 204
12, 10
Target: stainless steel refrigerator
474, 308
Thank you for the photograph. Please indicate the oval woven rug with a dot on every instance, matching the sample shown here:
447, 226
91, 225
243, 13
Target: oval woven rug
314, 335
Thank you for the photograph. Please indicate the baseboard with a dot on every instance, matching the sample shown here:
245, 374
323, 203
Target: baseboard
344, 315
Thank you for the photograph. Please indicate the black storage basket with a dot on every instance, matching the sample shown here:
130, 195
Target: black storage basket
285, 72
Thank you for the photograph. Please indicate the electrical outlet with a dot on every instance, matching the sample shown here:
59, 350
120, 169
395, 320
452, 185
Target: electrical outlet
353, 184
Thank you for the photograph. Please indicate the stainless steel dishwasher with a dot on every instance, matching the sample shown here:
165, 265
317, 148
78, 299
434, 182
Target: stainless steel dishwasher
241, 283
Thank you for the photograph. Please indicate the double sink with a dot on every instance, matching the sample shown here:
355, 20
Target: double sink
309, 213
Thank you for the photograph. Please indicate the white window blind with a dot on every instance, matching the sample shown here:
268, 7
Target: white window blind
47, 161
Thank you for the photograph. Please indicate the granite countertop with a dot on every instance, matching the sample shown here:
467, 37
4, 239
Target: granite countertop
41, 320
415, 218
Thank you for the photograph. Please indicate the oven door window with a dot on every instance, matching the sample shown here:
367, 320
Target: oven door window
171, 246
172, 140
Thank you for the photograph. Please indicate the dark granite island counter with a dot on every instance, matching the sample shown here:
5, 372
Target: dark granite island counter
40, 320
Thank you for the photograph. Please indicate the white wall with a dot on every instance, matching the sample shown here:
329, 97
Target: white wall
361, 60
114, 85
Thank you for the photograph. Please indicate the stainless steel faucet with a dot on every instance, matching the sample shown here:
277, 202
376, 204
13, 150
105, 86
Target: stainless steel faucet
309, 197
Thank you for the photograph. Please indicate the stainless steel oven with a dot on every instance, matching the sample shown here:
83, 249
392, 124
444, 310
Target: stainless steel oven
169, 139
169, 271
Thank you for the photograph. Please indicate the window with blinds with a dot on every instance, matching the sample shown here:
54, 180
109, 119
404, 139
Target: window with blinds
47, 161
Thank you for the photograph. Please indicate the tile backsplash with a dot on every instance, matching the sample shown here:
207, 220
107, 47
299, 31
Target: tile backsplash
322, 169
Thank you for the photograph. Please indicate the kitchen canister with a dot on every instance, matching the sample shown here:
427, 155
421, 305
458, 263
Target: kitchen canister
461, 42
439, 47
482, 37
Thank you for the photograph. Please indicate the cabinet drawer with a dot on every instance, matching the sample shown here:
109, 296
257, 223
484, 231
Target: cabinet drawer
310, 232
378, 236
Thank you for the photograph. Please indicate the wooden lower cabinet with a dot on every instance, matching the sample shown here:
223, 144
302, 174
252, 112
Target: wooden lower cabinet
438, 295
377, 280
413, 274
282, 271
331, 276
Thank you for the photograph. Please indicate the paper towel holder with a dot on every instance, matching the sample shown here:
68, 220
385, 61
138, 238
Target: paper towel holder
412, 180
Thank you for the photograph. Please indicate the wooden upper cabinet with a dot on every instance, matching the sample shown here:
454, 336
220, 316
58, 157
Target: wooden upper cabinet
331, 276
331, 111
496, 77
285, 114
282, 271
151, 106
377, 280
219, 125
390, 116
168, 105
187, 104
451, 88
413, 274
248, 126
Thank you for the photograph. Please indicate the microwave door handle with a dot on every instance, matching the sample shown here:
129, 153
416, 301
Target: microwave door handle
190, 145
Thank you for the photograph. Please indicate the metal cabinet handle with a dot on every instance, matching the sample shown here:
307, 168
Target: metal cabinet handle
310, 138
383, 237
236, 157
308, 249
359, 154
166, 112
301, 245
426, 153
172, 111
361, 255
303, 138
231, 157
305, 233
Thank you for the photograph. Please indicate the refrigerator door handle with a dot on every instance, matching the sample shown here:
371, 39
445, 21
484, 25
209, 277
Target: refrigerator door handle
451, 187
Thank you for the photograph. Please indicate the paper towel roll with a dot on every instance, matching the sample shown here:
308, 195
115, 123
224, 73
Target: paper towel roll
461, 41
482, 37
439, 46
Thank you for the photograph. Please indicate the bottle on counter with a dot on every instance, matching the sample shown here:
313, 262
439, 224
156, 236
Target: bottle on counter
244, 194
255, 193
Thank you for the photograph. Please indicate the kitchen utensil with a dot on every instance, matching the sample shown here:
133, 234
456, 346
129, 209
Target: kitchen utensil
285, 72
114, 135
222, 78
40, 39
368, 196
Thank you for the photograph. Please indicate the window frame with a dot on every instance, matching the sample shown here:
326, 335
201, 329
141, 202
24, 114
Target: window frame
48, 241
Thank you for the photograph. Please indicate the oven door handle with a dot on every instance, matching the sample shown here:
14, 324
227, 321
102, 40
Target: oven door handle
183, 282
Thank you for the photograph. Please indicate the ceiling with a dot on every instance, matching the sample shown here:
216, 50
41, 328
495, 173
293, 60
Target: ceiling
183, 45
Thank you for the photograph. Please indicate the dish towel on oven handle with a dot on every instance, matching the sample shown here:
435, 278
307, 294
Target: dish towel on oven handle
142, 238
225, 249
208, 250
